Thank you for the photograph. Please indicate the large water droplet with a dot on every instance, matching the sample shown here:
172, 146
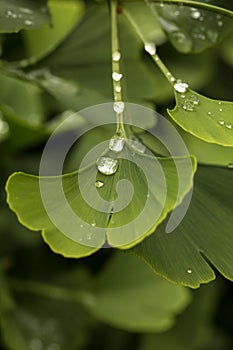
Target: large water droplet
107, 165
137, 145
98, 184
116, 76
150, 48
116, 144
180, 86
116, 56
119, 106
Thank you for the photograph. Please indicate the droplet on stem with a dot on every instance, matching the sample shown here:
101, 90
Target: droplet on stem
119, 106
116, 76
180, 86
150, 48
116, 56
116, 144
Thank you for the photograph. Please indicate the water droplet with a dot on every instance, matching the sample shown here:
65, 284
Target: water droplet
189, 271
148, 195
220, 103
137, 145
150, 48
212, 35
98, 184
119, 106
230, 166
36, 344
93, 224
228, 125
180, 86
28, 22
182, 96
116, 56
89, 236
118, 89
209, 113
220, 109
194, 99
26, 10
107, 165
195, 14
116, 144
220, 23
221, 122
81, 225
9, 13
188, 106
116, 76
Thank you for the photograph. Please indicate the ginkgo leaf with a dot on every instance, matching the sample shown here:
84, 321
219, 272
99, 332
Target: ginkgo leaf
80, 211
207, 119
22, 14
204, 236
192, 29
127, 279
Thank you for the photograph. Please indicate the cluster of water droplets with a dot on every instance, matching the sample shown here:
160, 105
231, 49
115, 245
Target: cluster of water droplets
24, 14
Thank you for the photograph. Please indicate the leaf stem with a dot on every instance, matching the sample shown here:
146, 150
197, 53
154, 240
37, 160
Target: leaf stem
150, 48
116, 71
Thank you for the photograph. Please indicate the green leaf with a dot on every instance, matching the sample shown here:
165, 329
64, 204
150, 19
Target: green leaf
127, 295
45, 320
192, 29
207, 119
194, 323
22, 14
113, 214
65, 15
78, 71
204, 236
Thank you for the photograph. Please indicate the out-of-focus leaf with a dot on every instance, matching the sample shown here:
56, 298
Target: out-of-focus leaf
22, 14
65, 14
193, 29
128, 295
194, 323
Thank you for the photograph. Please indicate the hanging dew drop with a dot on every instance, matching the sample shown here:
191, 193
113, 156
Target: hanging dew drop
138, 146
116, 56
116, 76
150, 48
221, 122
107, 165
180, 86
116, 144
228, 125
119, 106
99, 184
